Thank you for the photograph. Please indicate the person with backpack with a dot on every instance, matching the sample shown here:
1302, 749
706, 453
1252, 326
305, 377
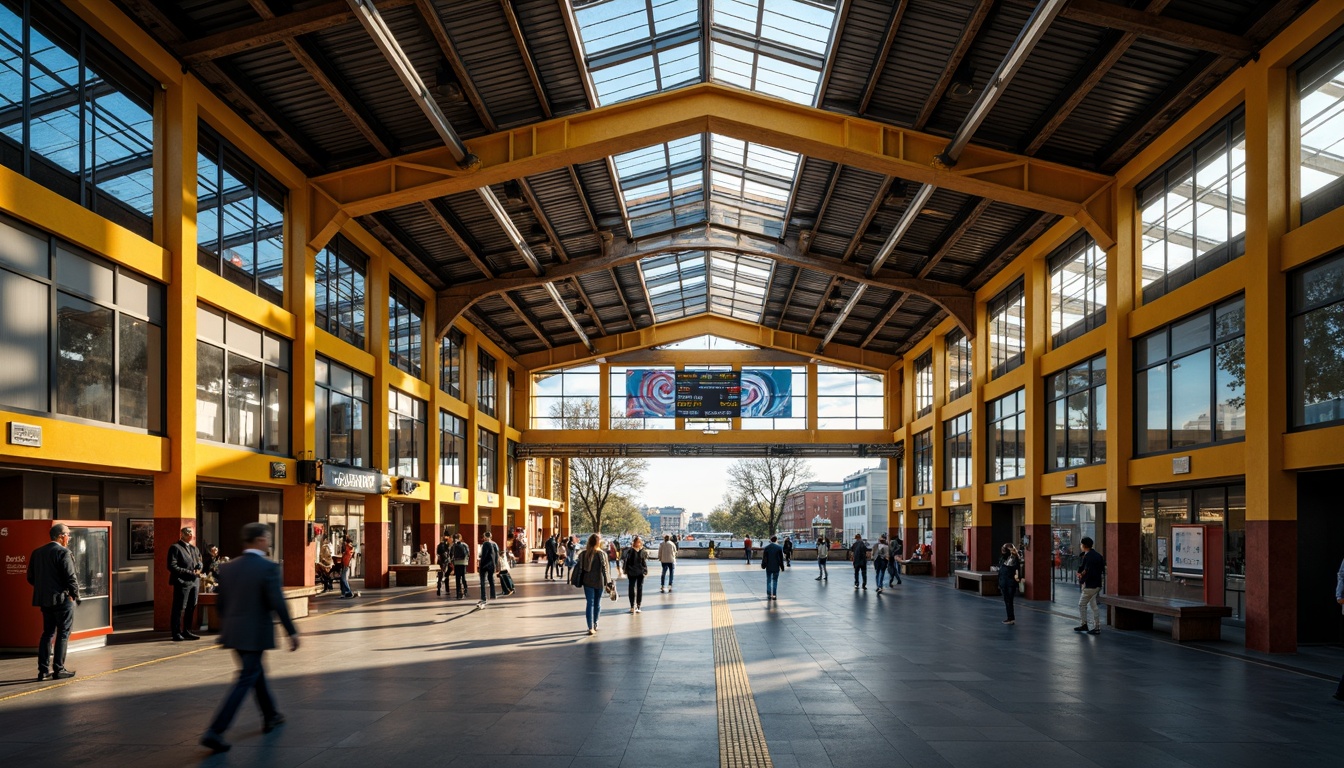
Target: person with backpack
788, 552
591, 572
746, 548
772, 560
552, 557
487, 560
858, 552
881, 557
635, 563
461, 555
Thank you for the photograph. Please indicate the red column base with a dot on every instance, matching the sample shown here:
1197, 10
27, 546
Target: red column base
942, 552
1271, 585
984, 554
1123, 545
376, 575
298, 556
1038, 559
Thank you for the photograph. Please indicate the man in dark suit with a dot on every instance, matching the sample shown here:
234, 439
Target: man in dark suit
249, 592
444, 557
51, 571
772, 560
184, 573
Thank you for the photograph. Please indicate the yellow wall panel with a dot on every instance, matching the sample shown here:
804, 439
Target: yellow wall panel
1215, 461
85, 446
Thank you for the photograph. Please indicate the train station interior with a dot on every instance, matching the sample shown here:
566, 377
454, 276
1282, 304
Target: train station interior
377, 271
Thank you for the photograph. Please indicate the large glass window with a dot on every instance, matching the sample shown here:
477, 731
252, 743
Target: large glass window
240, 218
450, 362
848, 399
1317, 325
510, 391
75, 116
1007, 329
1194, 209
958, 364
339, 281
405, 327
407, 435
924, 462
924, 384
486, 385
567, 399
957, 452
1161, 511
1005, 440
242, 383
1320, 91
107, 330
756, 389
511, 468
1075, 415
1077, 289
1190, 381
487, 461
452, 449
343, 414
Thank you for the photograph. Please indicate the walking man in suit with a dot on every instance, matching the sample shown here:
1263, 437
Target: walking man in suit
184, 573
772, 560
249, 592
51, 571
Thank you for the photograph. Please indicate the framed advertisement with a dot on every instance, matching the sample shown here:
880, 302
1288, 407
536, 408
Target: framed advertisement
1187, 551
139, 539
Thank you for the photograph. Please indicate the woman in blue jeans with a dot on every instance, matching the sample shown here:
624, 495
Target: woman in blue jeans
595, 575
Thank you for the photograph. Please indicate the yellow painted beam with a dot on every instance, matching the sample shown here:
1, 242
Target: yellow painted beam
724, 437
85, 446
711, 108
728, 328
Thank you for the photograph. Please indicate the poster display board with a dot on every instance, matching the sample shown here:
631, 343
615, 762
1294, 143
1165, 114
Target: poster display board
1187, 551
665, 394
90, 544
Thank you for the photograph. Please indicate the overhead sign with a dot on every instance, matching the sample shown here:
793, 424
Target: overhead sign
709, 394
353, 480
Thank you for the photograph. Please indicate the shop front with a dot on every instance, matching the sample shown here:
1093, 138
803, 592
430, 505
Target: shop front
223, 510
1072, 518
1193, 545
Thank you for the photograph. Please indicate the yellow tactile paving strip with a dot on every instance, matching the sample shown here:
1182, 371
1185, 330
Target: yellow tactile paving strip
741, 739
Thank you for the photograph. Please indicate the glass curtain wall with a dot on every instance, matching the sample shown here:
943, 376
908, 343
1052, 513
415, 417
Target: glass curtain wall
1222, 506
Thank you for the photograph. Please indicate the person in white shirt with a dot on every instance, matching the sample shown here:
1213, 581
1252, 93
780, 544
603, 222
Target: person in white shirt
667, 555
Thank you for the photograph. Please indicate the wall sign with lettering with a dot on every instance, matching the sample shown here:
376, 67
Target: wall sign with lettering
29, 435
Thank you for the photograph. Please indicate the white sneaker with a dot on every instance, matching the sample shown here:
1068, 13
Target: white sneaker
592, 631
660, 589
639, 610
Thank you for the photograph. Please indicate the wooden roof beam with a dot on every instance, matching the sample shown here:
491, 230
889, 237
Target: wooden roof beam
1148, 24
273, 30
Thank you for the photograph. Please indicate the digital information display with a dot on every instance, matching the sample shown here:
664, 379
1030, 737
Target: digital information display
709, 394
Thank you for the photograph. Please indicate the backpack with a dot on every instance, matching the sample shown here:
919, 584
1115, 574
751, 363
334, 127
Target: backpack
576, 573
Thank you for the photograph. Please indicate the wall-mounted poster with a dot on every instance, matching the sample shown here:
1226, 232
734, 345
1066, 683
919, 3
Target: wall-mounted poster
1161, 552
665, 394
139, 539
650, 394
1187, 551
767, 394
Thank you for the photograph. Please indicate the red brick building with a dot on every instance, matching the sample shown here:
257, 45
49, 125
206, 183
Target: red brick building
812, 500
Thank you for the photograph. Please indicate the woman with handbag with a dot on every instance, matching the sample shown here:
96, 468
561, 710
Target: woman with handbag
592, 572
635, 562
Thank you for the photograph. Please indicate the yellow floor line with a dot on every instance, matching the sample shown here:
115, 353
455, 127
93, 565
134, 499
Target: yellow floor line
211, 647
741, 738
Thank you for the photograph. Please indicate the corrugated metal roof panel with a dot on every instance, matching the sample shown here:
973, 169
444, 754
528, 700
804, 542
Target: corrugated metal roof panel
929, 33
543, 25
480, 33
854, 54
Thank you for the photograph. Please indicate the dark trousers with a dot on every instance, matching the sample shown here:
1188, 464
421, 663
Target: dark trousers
788, 559
460, 579
861, 567
748, 552
506, 581
57, 621
551, 570
636, 589
487, 577
252, 677
184, 608
346, 591
1009, 594
821, 567
445, 573
669, 571
895, 567
1339, 692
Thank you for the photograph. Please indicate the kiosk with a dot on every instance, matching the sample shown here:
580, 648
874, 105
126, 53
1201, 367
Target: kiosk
91, 545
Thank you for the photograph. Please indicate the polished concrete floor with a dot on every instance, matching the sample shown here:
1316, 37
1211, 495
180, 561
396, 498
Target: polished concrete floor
920, 676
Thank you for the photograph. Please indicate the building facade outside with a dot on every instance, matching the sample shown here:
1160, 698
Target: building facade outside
865, 503
814, 499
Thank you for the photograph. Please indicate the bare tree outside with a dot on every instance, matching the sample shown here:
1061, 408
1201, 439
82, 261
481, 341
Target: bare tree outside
764, 484
595, 482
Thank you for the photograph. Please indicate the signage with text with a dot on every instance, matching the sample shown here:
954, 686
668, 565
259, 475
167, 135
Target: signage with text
709, 394
352, 480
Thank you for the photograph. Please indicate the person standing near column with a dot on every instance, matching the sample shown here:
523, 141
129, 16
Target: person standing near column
1010, 576
858, 552
51, 571
1090, 571
461, 554
443, 556
746, 547
347, 564
772, 560
249, 592
667, 555
823, 551
184, 573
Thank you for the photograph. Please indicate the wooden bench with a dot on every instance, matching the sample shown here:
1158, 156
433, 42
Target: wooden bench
296, 600
1189, 620
917, 567
413, 575
984, 582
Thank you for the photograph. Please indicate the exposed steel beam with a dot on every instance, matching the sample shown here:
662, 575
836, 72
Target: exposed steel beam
883, 53
440, 34
1148, 24
710, 108
970, 31
273, 29
531, 66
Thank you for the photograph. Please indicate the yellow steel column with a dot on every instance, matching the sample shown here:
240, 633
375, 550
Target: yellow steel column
378, 332
1038, 518
298, 501
1123, 534
175, 490
1271, 492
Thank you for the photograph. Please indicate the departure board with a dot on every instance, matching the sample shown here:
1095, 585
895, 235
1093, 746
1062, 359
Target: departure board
709, 394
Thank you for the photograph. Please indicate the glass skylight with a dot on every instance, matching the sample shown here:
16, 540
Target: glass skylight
694, 282
708, 342
664, 185
638, 47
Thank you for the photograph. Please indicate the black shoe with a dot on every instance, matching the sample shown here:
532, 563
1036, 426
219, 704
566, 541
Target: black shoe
44, 675
215, 743
1337, 697
178, 638
190, 636
62, 674
1094, 631
1082, 628
272, 722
